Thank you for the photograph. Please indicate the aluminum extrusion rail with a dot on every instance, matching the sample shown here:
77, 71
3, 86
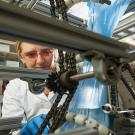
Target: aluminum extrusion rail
8, 56
79, 131
23, 24
12, 72
125, 26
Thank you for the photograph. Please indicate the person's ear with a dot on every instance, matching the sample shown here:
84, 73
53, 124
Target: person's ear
22, 61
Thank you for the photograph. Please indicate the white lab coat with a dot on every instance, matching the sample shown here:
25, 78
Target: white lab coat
19, 101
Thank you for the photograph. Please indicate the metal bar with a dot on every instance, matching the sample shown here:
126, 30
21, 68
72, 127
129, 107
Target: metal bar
10, 123
32, 3
125, 23
7, 42
8, 56
79, 131
12, 72
17, 23
82, 76
126, 36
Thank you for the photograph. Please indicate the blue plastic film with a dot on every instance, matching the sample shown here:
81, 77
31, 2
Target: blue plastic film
104, 18
90, 92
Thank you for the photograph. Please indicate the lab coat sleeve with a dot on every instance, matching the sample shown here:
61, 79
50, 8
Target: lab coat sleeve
13, 100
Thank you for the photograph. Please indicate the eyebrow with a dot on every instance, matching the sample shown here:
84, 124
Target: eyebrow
41, 50
29, 52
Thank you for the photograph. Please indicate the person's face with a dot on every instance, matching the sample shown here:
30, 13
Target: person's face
35, 56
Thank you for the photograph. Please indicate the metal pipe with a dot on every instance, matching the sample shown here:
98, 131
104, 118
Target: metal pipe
82, 76
12, 72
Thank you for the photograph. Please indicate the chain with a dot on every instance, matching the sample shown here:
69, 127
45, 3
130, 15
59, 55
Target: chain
72, 62
61, 7
52, 8
61, 62
114, 95
63, 10
58, 7
128, 86
49, 115
59, 117
131, 72
67, 58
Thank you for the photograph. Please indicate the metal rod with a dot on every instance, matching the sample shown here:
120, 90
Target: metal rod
12, 72
17, 23
7, 42
32, 3
82, 76
8, 56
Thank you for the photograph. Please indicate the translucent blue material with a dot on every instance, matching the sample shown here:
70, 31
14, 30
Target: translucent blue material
104, 18
90, 94
32, 126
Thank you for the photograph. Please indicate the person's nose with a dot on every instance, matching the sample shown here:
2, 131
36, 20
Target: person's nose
40, 59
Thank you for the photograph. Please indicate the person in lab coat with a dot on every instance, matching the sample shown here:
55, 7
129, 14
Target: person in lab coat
18, 100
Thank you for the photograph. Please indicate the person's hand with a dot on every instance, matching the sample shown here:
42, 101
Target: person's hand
32, 126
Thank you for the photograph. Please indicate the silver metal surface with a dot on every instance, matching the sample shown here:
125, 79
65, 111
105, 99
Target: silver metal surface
31, 4
8, 56
124, 26
79, 131
12, 72
82, 76
17, 23
7, 42
10, 123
